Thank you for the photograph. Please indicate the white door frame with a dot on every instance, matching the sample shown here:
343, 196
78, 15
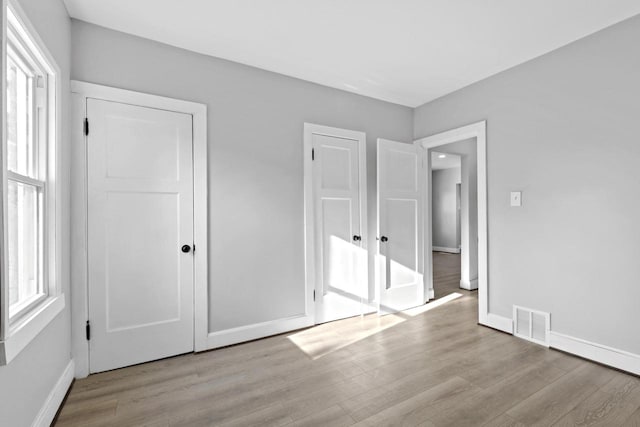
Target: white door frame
80, 91
309, 215
479, 132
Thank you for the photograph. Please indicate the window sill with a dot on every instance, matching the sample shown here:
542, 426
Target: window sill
22, 333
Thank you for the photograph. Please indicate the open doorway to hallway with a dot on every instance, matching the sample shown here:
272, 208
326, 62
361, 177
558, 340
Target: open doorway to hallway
454, 220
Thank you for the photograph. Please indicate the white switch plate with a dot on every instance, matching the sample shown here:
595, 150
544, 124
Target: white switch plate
516, 198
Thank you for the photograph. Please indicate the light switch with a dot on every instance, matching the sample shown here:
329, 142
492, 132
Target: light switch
516, 198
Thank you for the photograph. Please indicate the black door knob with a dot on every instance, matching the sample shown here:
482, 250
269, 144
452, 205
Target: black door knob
383, 238
356, 238
186, 248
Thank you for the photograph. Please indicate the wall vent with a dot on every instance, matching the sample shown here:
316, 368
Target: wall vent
531, 325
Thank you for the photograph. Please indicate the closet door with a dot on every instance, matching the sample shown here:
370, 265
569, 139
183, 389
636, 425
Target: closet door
339, 194
399, 263
140, 234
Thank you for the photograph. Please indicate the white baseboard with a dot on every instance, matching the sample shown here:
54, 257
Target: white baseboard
54, 400
471, 285
443, 249
258, 330
500, 323
620, 359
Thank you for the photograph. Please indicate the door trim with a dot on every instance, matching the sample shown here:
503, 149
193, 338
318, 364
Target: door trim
80, 91
479, 132
309, 213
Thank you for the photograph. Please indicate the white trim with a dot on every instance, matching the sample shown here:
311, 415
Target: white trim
609, 356
500, 323
309, 230
36, 43
108, 93
80, 92
56, 396
79, 271
258, 330
426, 261
470, 285
200, 228
479, 132
4, 262
27, 328
309, 213
443, 249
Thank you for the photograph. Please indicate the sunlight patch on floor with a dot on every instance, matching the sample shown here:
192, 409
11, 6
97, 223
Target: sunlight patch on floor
327, 338
433, 304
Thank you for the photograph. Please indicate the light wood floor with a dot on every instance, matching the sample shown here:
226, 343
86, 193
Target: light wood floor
431, 366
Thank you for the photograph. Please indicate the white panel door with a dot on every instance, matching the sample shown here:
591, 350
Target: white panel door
342, 288
399, 263
140, 214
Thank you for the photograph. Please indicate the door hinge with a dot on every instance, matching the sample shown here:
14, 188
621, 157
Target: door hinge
86, 126
88, 330
313, 154
314, 294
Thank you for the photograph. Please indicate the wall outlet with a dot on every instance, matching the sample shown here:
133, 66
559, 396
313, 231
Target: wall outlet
516, 198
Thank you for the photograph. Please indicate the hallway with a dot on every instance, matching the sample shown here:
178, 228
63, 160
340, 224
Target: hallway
446, 274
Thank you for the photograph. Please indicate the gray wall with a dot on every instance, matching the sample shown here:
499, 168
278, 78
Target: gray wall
255, 127
28, 379
444, 207
563, 129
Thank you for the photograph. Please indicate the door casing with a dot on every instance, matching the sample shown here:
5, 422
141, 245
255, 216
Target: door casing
80, 91
478, 131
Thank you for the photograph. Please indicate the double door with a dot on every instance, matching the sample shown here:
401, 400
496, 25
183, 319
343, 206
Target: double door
342, 253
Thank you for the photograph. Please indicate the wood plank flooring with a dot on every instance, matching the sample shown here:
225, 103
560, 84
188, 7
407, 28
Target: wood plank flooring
430, 366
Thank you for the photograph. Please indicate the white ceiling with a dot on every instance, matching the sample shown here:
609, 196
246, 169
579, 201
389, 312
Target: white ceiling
448, 162
404, 51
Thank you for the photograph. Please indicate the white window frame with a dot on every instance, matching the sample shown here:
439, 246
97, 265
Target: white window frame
18, 331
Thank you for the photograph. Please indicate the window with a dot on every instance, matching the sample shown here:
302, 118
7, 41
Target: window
29, 273
26, 150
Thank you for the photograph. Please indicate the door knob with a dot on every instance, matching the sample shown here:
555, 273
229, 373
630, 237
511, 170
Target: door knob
186, 248
356, 238
383, 239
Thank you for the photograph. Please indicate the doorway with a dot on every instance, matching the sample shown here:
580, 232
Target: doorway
446, 183
461, 154
476, 132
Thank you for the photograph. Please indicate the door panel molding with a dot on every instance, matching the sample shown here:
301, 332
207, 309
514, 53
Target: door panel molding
81, 91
